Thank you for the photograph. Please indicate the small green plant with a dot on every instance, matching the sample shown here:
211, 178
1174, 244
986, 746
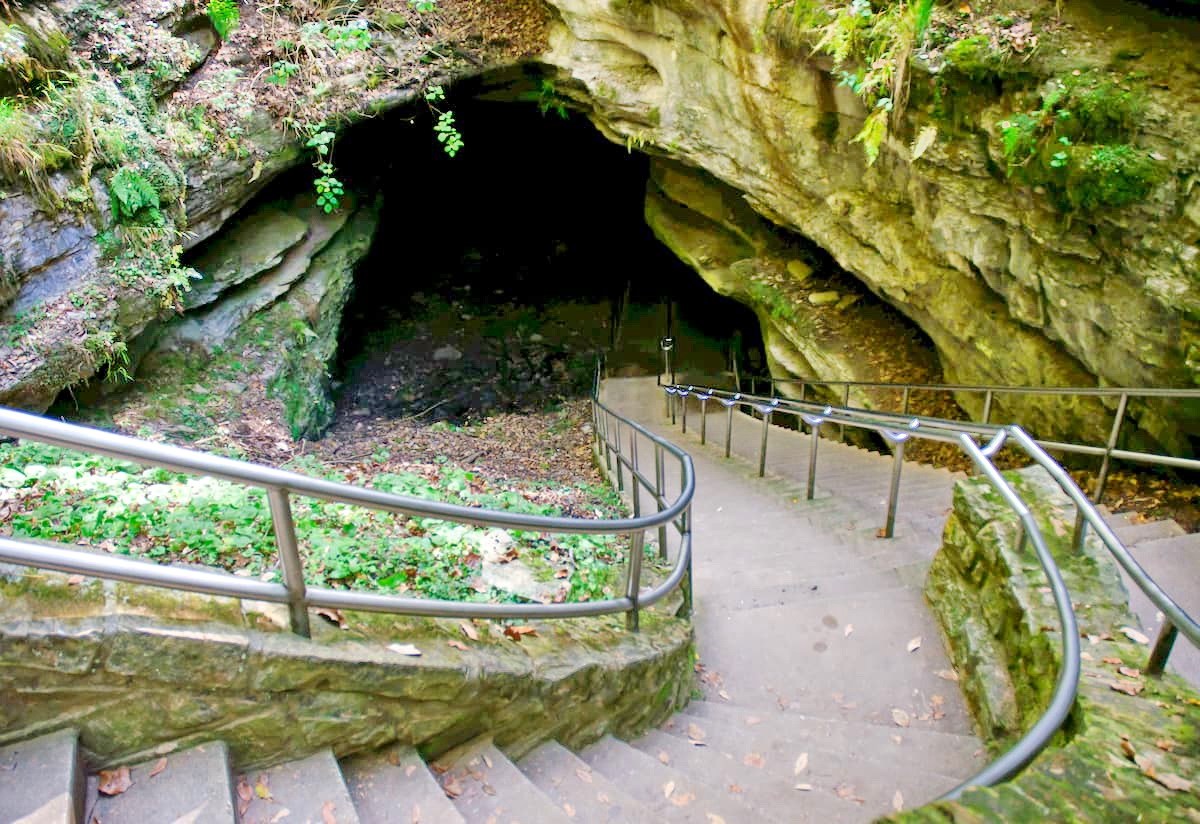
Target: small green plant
448, 134
1076, 145
329, 188
423, 6
134, 199
224, 16
351, 36
282, 71
549, 100
444, 128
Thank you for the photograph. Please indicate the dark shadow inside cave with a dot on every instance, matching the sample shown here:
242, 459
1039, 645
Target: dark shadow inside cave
497, 275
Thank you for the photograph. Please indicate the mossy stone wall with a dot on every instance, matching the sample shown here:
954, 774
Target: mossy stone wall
141, 671
1120, 756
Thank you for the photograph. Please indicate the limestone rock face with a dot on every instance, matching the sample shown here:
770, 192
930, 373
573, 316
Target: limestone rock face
1007, 289
791, 287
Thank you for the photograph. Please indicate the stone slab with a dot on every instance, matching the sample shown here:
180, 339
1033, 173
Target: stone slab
41, 781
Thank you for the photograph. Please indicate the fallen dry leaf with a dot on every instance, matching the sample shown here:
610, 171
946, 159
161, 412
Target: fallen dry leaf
584, 775
468, 629
243, 790
664, 757
487, 759
327, 815
752, 720
804, 788
1127, 687
404, 649
1130, 672
114, 782
451, 787
736, 789
683, 799
1168, 780
724, 695
333, 616
569, 810
1127, 748
457, 645
801, 764
900, 717
158, 767
1113, 661
914, 644
713, 818
947, 675
694, 733
849, 629
262, 787
1166, 745
517, 633
753, 759
668, 788
74, 580
898, 801
416, 814
409, 770
1135, 635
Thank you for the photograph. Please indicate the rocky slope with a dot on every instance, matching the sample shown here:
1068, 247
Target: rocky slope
1031, 208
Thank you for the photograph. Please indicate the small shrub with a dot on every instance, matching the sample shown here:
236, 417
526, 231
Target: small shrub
134, 198
224, 16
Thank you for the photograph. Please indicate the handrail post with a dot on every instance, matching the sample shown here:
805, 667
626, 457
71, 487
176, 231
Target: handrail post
907, 391
633, 582
683, 415
889, 528
703, 420
1102, 476
660, 482
812, 461
620, 454
845, 405
729, 428
289, 558
987, 407
1162, 648
762, 451
633, 473
607, 444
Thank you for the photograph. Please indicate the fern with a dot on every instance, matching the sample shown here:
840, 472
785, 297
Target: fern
131, 193
224, 16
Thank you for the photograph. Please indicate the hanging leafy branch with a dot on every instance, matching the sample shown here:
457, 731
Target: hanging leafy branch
447, 133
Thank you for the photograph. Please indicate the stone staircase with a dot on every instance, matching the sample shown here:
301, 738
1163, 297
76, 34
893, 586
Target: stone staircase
824, 692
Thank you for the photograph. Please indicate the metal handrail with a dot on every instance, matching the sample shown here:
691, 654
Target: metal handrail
280, 485
980, 442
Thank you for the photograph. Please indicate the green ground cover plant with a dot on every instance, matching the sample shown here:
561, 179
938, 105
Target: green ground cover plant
56, 494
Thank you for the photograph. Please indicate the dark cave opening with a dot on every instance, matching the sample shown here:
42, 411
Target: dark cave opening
496, 276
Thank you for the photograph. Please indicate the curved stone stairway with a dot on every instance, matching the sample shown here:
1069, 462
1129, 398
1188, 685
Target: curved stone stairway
826, 694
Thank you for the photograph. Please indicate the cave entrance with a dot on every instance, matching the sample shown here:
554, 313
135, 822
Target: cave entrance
498, 275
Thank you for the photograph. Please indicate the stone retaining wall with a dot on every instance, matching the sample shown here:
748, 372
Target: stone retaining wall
141, 671
1130, 749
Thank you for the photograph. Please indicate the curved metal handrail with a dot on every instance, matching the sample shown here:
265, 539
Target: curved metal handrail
281, 484
969, 437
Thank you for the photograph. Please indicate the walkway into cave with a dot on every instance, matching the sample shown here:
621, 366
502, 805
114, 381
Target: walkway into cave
498, 275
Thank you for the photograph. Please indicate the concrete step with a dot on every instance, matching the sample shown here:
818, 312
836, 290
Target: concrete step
766, 760
801, 656
1133, 532
790, 587
672, 794
191, 786
915, 746
42, 780
308, 791
1175, 563
487, 788
393, 784
584, 794
743, 775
